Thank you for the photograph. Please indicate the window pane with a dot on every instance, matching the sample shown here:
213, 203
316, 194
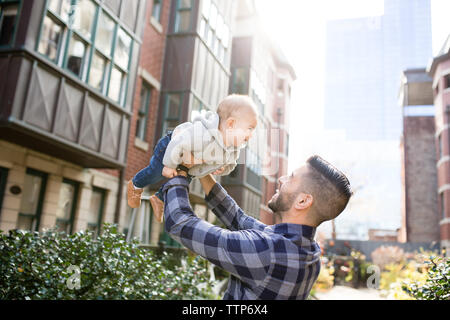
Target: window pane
183, 20
196, 108
129, 9
75, 56
173, 106
114, 5
122, 52
115, 84
66, 199
30, 197
220, 26
84, 17
8, 17
97, 71
202, 30
105, 31
185, 4
156, 10
25, 222
170, 125
240, 84
213, 17
206, 7
96, 205
50, 39
61, 8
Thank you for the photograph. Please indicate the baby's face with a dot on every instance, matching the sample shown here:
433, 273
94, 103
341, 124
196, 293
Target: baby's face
242, 129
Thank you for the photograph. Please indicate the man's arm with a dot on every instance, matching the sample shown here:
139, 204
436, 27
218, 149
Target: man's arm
225, 208
246, 254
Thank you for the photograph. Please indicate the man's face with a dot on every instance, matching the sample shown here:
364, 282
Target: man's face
288, 190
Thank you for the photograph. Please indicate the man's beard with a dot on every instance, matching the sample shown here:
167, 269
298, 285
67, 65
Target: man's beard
281, 204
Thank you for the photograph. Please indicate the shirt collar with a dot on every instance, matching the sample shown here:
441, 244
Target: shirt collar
294, 231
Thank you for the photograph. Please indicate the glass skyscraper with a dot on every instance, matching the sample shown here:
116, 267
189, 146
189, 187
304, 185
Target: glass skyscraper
364, 61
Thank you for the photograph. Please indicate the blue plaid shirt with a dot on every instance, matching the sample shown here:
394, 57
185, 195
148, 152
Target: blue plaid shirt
265, 262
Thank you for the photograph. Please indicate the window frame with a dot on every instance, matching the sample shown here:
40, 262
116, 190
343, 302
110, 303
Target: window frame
101, 210
144, 114
3, 180
177, 17
166, 110
68, 32
159, 12
19, 10
73, 209
37, 215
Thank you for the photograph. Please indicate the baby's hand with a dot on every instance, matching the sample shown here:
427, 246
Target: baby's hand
169, 172
219, 171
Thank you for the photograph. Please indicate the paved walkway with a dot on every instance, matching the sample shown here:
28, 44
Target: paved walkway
347, 293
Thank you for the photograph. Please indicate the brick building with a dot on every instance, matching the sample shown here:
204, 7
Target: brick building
91, 85
66, 93
143, 135
420, 216
259, 69
439, 70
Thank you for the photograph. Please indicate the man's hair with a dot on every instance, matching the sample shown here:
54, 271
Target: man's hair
233, 104
329, 187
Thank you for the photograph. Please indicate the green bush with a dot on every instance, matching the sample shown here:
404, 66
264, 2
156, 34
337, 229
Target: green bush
47, 265
437, 284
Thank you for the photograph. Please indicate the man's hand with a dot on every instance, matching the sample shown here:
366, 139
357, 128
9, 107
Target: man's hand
219, 171
169, 172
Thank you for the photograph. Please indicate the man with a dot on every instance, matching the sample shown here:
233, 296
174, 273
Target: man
279, 261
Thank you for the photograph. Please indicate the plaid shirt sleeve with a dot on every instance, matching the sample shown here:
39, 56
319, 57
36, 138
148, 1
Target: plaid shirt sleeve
246, 253
227, 210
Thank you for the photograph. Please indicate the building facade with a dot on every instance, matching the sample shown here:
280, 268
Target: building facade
66, 93
439, 70
420, 214
364, 61
92, 85
260, 70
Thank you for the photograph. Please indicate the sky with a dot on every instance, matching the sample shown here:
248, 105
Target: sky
299, 28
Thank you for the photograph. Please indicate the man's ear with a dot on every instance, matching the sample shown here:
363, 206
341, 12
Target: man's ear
303, 201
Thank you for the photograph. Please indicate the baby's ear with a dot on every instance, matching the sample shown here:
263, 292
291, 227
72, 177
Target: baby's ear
230, 122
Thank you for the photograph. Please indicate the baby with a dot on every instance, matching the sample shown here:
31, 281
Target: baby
212, 140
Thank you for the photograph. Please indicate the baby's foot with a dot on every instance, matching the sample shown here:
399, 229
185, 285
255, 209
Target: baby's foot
158, 207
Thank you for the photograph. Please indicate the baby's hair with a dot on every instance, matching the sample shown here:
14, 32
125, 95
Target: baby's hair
233, 105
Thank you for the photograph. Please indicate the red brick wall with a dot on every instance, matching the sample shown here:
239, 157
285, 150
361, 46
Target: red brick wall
151, 60
441, 101
422, 216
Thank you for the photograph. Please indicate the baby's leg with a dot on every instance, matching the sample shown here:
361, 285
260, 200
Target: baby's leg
153, 172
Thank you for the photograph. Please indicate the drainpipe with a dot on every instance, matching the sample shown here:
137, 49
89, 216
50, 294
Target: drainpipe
119, 196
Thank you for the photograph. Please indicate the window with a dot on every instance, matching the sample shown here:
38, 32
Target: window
76, 55
442, 205
214, 30
156, 10
440, 147
3, 180
240, 81
141, 126
447, 81
65, 213
50, 39
81, 37
197, 107
172, 110
183, 16
94, 220
32, 200
8, 14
